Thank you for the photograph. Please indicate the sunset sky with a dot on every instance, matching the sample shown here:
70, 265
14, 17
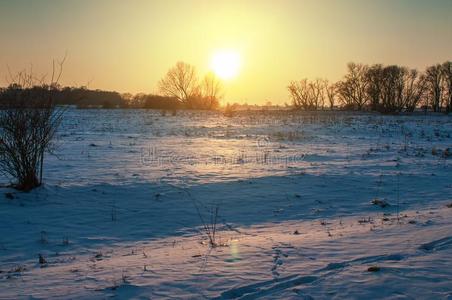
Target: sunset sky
128, 46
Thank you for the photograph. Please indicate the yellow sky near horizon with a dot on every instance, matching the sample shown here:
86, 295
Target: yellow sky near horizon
128, 46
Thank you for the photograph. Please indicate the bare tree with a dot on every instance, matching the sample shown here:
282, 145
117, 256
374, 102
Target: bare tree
331, 92
28, 123
434, 77
317, 94
415, 88
307, 95
400, 89
374, 78
447, 79
299, 92
181, 82
352, 90
389, 89
211, 90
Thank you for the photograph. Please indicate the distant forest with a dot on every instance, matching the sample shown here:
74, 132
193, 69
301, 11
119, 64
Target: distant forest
86, 98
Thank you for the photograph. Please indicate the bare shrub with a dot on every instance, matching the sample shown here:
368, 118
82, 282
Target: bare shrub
209, 219
210, 224
28, 123
229, 110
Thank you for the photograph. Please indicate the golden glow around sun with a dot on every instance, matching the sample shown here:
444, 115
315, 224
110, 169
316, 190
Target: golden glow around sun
226, 64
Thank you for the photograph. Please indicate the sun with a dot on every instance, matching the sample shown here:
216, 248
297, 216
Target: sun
226, 64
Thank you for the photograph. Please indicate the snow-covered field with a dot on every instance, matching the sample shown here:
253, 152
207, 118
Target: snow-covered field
310, 206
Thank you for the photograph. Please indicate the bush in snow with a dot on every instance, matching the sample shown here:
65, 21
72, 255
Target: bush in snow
28, 123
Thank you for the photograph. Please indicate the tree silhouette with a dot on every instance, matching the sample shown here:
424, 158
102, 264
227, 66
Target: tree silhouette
434, 76
180, 82
211, 90
447, 79
299, 92
352, 89
375, 78
331, 92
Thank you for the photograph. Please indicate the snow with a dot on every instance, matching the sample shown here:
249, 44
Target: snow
117, 216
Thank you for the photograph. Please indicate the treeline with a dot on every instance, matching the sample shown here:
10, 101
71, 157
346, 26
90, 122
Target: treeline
86, 98
180, 88
386, 89
151, 101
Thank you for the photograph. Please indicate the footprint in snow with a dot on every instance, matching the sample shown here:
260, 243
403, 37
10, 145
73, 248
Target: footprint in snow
277, 261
